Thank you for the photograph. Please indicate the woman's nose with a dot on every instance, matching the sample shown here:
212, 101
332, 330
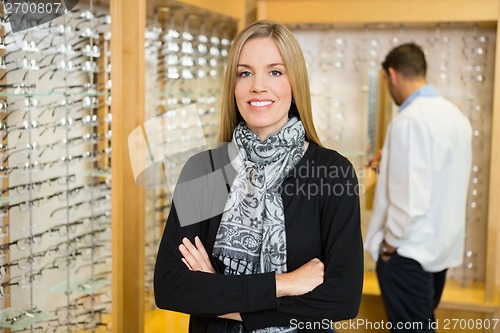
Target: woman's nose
259, 83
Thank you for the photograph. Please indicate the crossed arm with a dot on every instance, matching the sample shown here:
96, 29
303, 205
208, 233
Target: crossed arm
295, 283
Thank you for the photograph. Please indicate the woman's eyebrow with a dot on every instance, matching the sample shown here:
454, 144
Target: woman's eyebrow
274, 64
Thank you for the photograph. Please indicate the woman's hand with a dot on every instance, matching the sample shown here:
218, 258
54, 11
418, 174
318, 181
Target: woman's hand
195, 256
302, 280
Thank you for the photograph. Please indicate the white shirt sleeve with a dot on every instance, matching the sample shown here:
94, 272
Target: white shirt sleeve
409, 177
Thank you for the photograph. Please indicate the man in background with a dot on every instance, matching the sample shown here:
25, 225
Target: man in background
418, 225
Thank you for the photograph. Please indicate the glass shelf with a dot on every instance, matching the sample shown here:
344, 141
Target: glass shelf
16, 318
98, 173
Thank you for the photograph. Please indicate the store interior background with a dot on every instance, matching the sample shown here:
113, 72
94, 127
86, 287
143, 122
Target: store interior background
82, 84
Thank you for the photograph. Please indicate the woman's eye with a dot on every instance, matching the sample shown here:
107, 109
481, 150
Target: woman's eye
276, 72
244, 74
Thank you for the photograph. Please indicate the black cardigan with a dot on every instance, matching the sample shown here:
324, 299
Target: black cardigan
322, 219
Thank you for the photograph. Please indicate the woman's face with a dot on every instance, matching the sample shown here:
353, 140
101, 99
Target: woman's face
263, 92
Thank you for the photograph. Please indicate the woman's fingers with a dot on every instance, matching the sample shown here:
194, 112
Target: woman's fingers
188, 258
195, 257
187, 264
204, 254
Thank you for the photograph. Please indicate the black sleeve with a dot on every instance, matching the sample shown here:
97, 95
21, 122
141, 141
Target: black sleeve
179, 289
339, 296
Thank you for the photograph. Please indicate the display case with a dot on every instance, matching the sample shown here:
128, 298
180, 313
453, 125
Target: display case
55, 244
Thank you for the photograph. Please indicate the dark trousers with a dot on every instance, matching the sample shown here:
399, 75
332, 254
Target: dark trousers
410, 294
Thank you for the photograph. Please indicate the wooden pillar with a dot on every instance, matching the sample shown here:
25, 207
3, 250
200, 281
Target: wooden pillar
128, 206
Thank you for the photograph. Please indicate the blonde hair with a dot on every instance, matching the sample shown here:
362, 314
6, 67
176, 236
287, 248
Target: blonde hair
295, 64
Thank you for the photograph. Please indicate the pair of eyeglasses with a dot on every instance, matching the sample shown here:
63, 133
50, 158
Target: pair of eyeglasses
26, 64
88, 156
25, 148
23, 263
19, 88
89, 120
23, 244
24, 281
66, 194
65, 48
27, 46
33, 166
31, 147
65, 229
86, 303
21, 126
89, 101
70, 67
23, 189
29, 104
72, 321
69, 247
75, 191
69, 314
101, 218
34, 259
23, 206
93, 252
36, 166
30, 279
61, 263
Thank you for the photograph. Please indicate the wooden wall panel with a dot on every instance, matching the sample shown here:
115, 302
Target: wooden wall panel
370, 11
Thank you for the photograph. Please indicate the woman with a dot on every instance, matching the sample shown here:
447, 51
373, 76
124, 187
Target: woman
283, 252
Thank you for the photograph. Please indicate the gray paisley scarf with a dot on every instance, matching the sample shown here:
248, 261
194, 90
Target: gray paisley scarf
251, 237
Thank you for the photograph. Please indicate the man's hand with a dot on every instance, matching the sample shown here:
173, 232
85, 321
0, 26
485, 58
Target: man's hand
374, 162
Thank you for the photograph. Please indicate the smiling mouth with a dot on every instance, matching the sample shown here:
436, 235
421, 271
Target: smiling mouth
260, 103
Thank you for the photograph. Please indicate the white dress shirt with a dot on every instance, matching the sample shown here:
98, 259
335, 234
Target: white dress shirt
421, 195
